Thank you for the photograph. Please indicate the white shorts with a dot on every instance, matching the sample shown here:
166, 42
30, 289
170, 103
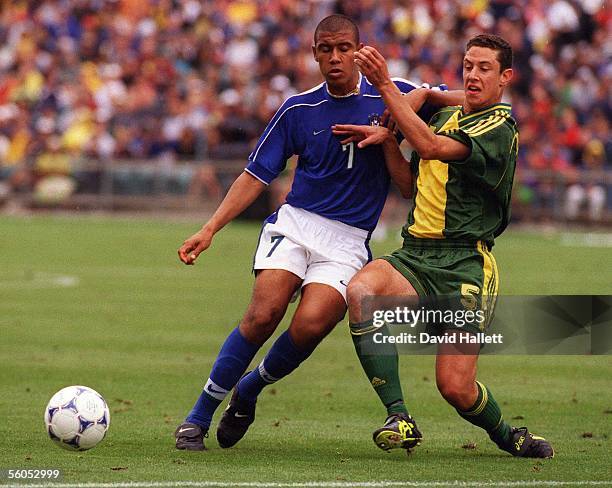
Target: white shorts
314, 248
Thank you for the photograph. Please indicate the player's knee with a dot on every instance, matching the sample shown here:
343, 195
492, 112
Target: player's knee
313, 325
456, 392
260, 322
359, 288
308, 337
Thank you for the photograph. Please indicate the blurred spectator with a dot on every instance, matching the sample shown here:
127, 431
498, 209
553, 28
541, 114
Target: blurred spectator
591, 193
197, 80
205, 183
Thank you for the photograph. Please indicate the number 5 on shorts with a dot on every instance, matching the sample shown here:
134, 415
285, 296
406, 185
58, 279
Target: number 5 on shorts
469, 296
275, 240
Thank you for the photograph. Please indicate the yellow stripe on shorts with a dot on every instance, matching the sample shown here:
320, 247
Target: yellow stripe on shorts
490, 284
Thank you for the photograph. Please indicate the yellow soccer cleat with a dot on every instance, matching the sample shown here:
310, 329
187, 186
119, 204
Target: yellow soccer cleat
399, 432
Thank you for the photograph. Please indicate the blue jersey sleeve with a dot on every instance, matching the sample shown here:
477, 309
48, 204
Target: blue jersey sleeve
275, 145
427, 110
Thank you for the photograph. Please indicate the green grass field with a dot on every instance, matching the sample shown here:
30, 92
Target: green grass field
106, 303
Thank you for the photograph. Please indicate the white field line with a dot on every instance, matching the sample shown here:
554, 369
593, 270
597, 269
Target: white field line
309, 484
590, 239
41, 280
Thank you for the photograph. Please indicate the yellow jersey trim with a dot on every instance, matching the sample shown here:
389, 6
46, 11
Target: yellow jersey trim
500, 106
430, 202
488, 127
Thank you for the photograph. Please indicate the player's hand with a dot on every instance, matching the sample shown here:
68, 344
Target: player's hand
364, 135
389, 122
195, 245
373, 65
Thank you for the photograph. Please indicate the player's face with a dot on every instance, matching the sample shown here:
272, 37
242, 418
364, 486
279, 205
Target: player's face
334, 53
483, 80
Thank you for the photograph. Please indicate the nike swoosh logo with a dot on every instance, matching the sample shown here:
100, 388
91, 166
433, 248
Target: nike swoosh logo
240, 415
185, 430
343, 283
212, 390
317, 132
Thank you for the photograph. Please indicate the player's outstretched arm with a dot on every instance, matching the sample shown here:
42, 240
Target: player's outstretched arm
418, 97
398, 166
241, 194
367, 135
445, 98
416, 132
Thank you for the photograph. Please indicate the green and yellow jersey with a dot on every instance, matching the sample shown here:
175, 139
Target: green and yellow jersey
468, 199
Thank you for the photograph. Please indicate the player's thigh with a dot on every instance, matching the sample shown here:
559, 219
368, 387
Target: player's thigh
321, 307
272, 293
462, 279
469, 279
378, 278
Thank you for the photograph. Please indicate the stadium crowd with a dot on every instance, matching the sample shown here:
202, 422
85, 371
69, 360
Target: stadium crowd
188, 80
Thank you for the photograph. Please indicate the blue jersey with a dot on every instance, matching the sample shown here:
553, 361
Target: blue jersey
339, 182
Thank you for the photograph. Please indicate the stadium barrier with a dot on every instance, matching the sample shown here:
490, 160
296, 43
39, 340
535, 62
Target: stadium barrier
162, 185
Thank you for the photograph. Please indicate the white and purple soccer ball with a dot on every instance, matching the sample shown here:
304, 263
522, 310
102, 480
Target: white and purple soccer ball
77, 418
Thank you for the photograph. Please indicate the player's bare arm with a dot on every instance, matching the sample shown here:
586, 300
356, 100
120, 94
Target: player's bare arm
397, 165
368, 135
417, 133
241, 194
442, 98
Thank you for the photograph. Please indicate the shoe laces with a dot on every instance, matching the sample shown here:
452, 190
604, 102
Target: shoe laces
396, 417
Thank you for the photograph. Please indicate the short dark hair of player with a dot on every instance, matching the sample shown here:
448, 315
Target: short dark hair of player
499, 44
337, 23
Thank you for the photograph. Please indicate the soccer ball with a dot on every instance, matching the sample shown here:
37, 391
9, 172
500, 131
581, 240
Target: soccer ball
77, 418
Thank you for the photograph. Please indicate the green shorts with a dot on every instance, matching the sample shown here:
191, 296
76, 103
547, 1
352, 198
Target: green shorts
465, 272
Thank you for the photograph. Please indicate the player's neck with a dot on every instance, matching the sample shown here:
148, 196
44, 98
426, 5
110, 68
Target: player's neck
351, 88
467, 108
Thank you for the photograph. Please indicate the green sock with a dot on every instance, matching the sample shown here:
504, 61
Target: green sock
380, 363
485, 413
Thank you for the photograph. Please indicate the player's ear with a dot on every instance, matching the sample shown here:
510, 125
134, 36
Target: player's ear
506, 77
314, 52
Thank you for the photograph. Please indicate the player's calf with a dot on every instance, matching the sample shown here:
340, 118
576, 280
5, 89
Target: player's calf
485, 413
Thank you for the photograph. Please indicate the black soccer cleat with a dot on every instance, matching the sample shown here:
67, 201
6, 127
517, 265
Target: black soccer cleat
235, 422
524, 444
190, 437
400, 431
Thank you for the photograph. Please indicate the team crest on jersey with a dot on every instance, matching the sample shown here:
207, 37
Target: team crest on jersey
374, 119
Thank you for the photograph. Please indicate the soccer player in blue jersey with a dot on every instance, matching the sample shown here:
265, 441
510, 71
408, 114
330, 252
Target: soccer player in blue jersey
315, 242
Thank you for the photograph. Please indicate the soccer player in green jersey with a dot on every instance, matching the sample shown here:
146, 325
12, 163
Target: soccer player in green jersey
464, 172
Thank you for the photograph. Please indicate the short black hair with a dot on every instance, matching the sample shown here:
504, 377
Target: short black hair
498, 44
337, 23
